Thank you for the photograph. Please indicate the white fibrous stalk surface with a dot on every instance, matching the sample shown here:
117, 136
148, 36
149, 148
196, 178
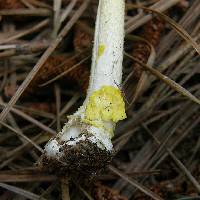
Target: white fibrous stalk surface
104, 106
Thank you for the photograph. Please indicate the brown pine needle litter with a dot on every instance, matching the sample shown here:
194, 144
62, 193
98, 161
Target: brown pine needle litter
45, 59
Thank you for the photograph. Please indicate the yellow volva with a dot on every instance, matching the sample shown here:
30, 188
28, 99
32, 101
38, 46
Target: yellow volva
105, 105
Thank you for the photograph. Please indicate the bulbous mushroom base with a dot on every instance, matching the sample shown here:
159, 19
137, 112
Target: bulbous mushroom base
84, 159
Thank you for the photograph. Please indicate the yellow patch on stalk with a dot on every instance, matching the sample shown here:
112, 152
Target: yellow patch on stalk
101, 50
105, 105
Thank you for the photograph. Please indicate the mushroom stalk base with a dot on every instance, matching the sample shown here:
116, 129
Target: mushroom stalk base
84, 145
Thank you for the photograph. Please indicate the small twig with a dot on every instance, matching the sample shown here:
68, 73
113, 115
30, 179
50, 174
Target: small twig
58, 102
185, 171
67, 11
17, 178
69, 104
135, 184
21, 192
85, 193
56, 7
26, 12
30, 119
179, 164
27, 4
40, 4
27, 31
23, 136
65, 72
65, 188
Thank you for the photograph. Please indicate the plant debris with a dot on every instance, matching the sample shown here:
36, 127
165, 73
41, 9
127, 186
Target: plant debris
157, 146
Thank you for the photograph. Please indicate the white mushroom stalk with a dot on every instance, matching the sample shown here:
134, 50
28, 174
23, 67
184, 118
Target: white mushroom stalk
92, 126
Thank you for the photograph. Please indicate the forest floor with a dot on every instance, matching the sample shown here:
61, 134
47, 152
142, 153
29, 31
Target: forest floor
45, 58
